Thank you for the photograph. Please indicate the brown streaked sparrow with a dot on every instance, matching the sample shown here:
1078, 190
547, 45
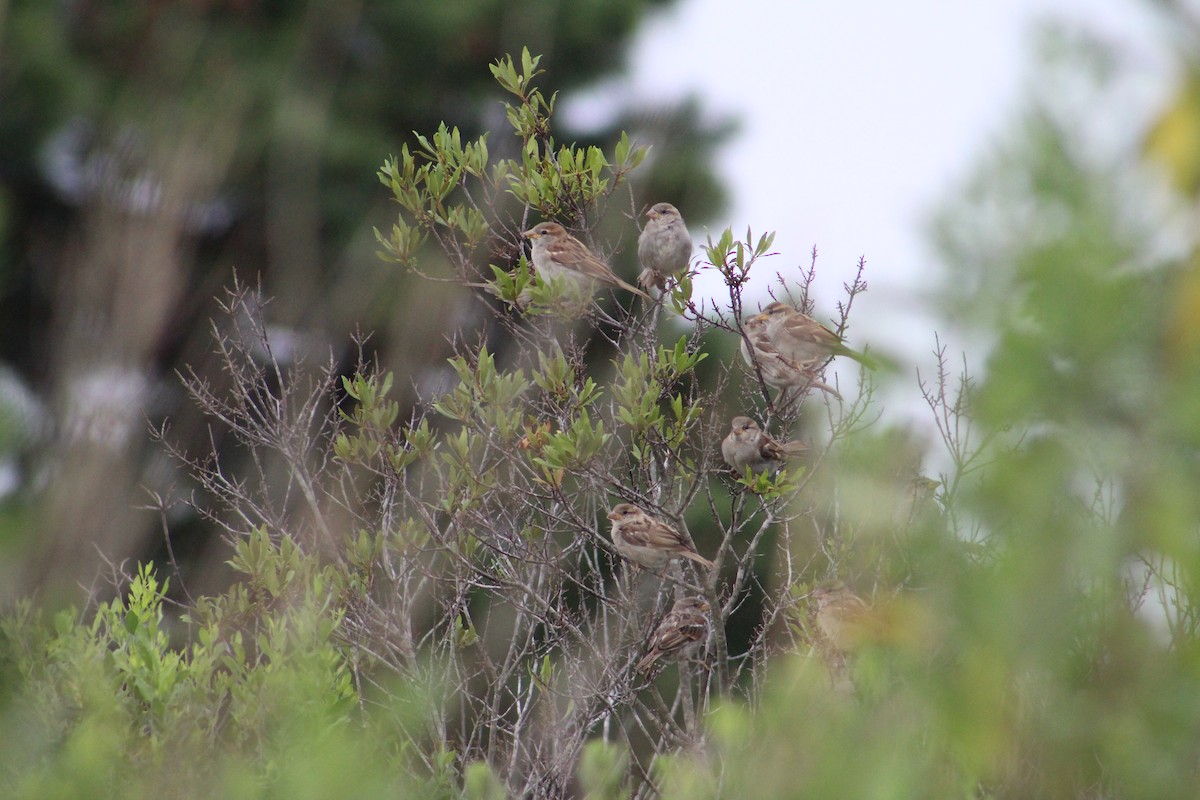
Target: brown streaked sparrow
680, 634
801, 339
647, 541
748, 445
664, 246
843, 619
777, 369
558, 254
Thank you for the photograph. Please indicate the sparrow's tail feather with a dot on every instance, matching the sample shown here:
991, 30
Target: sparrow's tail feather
699, 559
633, 289
864, 358
792, 449
647, 661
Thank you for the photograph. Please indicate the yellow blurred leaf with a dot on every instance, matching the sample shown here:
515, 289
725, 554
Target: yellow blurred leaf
1174, 139
1183, 322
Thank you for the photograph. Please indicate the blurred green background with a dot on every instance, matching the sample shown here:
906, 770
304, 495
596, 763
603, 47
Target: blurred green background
146, 149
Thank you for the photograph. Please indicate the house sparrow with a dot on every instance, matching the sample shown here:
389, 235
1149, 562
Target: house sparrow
801, 339
790, 347
682, 631
647, 541
747, 445
843, 619
558, 254
664, 247
777, 369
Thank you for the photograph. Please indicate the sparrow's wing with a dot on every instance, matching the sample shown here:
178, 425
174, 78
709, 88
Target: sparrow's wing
851, 605
769, 449
597, 270
573, 254
670, 637
652, 533
568, 251
676, 634
806, 330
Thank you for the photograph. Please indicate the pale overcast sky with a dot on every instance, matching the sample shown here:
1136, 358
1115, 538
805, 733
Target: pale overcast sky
856, 118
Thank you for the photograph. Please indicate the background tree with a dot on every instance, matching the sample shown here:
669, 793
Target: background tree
148, 150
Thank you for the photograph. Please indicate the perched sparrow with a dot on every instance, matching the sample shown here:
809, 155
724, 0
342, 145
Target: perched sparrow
747, 445
665, 246
843, 619
802, 339
919, 503
683, 630
558, 254
778, 370
645, 540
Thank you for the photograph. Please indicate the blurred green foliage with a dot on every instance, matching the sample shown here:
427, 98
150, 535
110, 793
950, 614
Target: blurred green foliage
260, 701
1043, 643
149, 152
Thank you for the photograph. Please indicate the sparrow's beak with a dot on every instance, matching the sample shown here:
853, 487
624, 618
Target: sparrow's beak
704, 606
614, 516
652, 214
530, 234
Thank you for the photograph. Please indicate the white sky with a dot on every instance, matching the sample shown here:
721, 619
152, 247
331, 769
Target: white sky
856, 119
